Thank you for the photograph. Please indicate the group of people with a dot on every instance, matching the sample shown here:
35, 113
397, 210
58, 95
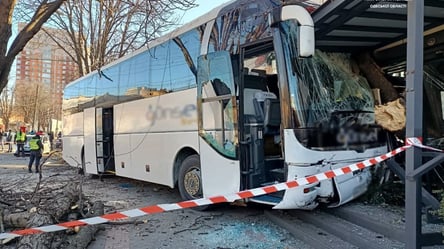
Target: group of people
19, 139
6, 139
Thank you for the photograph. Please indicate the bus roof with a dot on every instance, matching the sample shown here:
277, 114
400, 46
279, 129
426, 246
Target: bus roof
183, 29
211, 15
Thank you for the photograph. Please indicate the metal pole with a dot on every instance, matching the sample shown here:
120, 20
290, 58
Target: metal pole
414, 90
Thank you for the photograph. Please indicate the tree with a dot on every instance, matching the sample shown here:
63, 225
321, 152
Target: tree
6, 106
44, 10
100, 31
32, 103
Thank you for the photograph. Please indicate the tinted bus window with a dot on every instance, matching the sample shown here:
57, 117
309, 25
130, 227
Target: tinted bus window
134, 77
184, 52
159, 75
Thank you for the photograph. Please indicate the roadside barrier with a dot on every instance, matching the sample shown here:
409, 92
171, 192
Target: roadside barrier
216, 199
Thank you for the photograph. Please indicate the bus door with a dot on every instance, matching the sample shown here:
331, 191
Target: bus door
260, 117
217, 121
104, 140
89, 154
98, 153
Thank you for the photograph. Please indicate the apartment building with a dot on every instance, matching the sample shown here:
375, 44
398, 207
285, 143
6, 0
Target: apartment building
43, 62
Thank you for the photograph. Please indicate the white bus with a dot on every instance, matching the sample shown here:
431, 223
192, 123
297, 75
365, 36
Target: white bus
234, 100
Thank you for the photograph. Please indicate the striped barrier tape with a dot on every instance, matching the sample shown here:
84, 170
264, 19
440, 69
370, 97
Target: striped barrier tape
417, 142
215, 199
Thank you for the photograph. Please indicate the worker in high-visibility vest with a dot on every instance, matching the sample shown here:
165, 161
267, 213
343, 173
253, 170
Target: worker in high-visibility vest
36, 147
19, 140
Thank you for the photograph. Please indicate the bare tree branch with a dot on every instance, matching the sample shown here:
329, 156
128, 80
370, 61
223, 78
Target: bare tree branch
98, 31
44, 10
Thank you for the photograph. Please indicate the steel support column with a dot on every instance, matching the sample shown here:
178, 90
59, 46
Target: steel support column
414, 90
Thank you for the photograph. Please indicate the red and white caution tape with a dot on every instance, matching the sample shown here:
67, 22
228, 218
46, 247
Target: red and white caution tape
417, 142
212, 200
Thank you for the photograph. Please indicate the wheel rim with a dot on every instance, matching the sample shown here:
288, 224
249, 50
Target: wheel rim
192, 181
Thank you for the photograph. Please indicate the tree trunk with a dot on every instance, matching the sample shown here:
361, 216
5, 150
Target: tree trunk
87, 233
49, 214
39, 241
375, 77
16, 220
391, 113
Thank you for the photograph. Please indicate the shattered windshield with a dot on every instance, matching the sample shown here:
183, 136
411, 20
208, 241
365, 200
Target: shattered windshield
332, 104
328, 88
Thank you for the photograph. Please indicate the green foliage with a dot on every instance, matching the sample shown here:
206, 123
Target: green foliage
389, 192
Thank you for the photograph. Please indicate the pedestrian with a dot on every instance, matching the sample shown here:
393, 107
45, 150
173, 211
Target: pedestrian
1, 139
36, 147
9, 136
19, 140
51, 139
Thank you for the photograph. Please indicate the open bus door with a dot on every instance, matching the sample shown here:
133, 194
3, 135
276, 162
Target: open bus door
260, 119
217, 115
98, 153
105, 141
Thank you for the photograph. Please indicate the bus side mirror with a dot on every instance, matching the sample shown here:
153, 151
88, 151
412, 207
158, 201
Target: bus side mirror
306, 37
306, 41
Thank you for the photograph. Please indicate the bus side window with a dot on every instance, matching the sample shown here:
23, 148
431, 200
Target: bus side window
220, 88
216, 91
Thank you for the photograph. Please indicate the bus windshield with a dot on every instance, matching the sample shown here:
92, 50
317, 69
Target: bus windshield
326, 93
328, 87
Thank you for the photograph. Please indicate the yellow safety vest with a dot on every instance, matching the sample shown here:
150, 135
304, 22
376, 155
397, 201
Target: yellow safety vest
33, 144
20, 137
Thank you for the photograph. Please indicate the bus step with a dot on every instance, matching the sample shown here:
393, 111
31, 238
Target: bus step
267, 199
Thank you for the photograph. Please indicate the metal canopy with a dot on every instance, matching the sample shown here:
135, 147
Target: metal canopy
356, 25
365, 25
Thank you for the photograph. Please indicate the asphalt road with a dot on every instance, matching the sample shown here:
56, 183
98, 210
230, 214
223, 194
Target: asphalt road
223, 226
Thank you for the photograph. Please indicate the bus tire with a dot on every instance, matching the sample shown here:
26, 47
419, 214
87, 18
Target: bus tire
190, 180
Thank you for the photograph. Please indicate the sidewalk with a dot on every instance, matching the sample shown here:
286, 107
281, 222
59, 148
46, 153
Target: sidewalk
4, 148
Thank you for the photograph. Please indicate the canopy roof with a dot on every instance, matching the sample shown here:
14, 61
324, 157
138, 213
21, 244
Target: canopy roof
351, 25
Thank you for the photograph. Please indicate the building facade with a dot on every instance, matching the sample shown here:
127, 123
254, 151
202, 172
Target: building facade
44, 66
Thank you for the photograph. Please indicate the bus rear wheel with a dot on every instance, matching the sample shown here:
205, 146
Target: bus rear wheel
190, 180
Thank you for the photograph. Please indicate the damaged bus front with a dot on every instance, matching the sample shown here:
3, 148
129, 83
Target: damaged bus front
329, 124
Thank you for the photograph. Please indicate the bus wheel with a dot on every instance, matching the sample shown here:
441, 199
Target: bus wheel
190, 180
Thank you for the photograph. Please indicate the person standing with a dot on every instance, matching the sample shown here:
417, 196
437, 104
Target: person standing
51, 139
1, 139
19, 140
9, 140
36, 147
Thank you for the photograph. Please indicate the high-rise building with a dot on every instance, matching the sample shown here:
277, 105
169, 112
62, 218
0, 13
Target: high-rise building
43, 62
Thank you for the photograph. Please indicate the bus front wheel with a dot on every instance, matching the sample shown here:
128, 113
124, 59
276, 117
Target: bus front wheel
190, 180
